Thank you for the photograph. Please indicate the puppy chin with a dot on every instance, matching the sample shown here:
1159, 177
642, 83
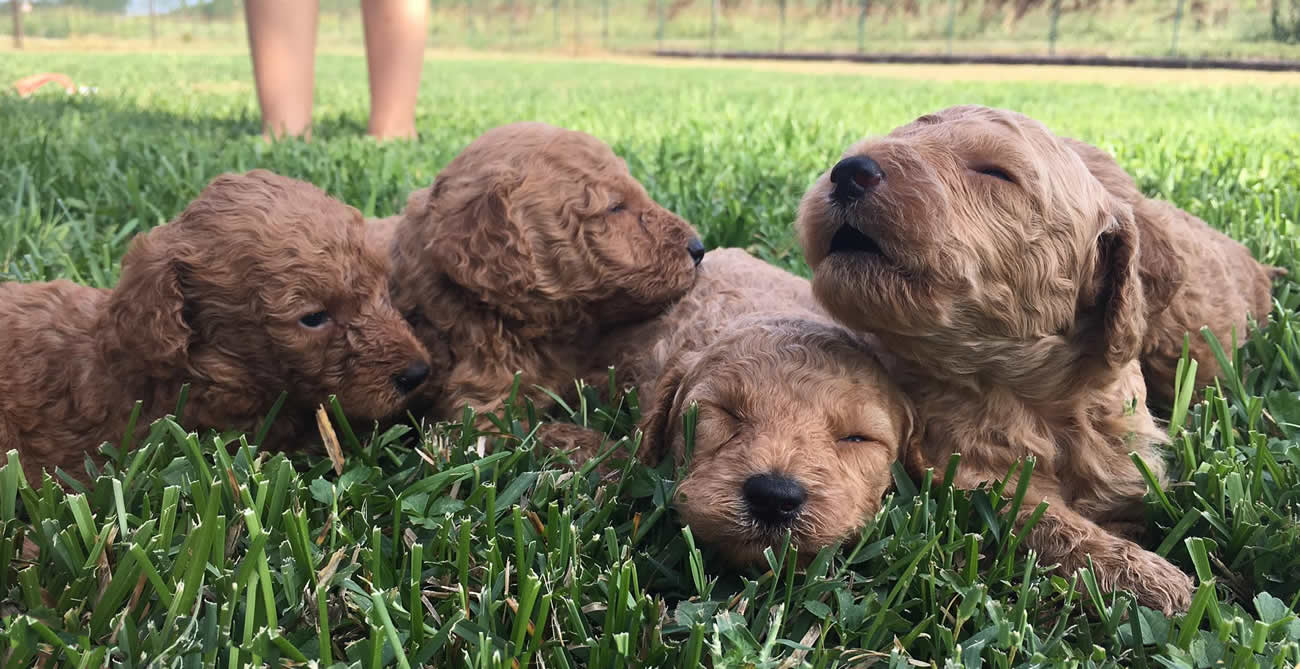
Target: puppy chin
744, 551
850, 288
374, 406
742, 541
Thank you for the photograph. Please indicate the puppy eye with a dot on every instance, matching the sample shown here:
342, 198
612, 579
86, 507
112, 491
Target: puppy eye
315, 320
996, 173
618, 208
854, 439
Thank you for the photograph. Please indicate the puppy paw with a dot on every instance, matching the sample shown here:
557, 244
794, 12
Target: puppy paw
1155, 581
579, 443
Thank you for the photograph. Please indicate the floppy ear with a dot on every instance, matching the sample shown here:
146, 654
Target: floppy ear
1119, 300
478, 241
1159, 263
657, 421
910, 452
146, 314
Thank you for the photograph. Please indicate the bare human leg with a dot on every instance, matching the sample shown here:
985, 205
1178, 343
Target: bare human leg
282, 38
395, 34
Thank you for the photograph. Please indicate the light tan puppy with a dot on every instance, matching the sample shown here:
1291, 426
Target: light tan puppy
977, 246
1194, 275
798, 423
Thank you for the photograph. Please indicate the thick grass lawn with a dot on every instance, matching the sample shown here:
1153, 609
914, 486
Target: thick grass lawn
432, 553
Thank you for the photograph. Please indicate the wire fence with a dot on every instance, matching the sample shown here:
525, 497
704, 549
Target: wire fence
1222, 29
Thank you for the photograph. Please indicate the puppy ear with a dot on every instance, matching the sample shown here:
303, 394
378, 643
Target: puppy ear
657, 421
1120, 305
1159, 264
479, 243
146, 314
910, 452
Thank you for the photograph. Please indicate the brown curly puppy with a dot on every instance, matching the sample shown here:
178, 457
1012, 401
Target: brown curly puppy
529, 245
1195, 276
979, 249
263, 284
798, 423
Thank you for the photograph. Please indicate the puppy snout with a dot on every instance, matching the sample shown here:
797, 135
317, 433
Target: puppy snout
854, 177
411, 377
695, 247
774, 499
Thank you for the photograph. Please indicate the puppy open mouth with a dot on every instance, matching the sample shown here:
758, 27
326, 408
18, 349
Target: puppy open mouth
849, 239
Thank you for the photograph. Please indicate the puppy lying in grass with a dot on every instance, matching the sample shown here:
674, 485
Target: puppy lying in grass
798, 422
528, 247
982, 252
1195, 276
263, 284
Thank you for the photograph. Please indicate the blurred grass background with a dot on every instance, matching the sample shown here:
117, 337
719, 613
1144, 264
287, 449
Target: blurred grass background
1235, 29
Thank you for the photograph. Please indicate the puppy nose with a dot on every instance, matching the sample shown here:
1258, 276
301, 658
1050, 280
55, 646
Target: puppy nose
854, 177
695, 247
774, 499
411, 377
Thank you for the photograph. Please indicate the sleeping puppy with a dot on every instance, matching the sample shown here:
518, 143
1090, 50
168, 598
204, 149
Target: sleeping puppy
529, 246
1196, 277
263, 284
798, 423
1006, 279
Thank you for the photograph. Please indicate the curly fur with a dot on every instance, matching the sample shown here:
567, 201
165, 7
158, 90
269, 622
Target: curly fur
1017, 312
1194, 276
212, 299
780, 389
528, 246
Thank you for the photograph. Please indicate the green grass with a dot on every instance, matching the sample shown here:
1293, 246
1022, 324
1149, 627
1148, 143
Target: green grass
427, 552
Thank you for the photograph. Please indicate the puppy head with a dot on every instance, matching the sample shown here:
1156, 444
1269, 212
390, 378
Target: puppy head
265, 284
548, 227
970, 233
797, 427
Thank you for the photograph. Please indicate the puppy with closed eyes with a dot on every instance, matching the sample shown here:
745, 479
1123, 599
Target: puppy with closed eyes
528, 248
798, 422
1005, 279
263, 284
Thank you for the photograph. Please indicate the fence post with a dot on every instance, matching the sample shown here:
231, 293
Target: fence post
18, 24
604, 24
1178, 19
659, 33
952, 19
862, 26
555, 22
510, 28
713, 26
1052, 34
433, 22
781, 39
469, 23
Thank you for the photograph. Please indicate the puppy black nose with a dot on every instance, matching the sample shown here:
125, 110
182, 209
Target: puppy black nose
411, 377
695, 247
774, 499
854, 177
